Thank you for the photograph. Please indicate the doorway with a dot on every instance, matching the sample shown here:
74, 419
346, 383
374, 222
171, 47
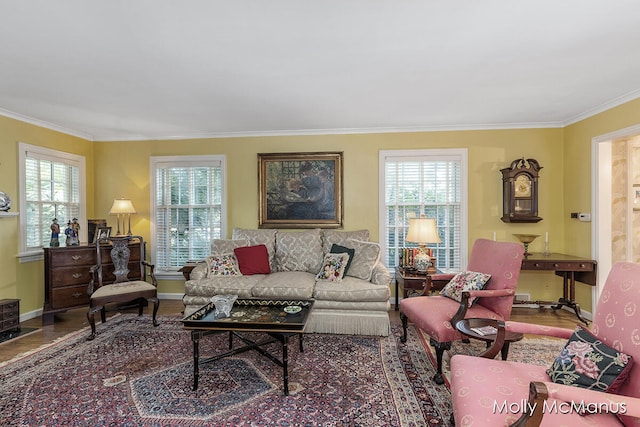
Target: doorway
612, 192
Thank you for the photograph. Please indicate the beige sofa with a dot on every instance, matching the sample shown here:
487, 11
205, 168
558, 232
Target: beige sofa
357, 305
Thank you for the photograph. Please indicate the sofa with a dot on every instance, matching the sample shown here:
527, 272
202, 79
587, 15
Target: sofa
356, 303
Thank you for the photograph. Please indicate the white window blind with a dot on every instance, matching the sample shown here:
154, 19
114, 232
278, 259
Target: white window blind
52, 186
429, 182
188, 204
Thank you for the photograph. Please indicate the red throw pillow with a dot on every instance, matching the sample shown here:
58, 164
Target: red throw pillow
253, 260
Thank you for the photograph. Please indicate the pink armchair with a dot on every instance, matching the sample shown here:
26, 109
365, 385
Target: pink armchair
437, 314
494, 393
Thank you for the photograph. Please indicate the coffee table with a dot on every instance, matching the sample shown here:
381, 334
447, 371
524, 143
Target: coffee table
250, 315
466, 327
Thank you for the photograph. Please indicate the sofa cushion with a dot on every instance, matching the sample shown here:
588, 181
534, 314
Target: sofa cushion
285, 285
216, 285
253, 259
333, 267
587, 362
299, 251
265, 237
226, 246
339, 249
222, 265
465, 281
364, 260
351, 289
342, 238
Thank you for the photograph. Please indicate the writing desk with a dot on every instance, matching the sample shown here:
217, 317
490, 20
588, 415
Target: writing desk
570, 268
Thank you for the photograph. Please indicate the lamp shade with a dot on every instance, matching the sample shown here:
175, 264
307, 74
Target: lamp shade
122, 206
423, 230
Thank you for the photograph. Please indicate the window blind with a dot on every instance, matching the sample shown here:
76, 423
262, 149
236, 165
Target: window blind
429, 184
188, 211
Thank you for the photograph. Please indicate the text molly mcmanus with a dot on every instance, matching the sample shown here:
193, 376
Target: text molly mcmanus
556, 407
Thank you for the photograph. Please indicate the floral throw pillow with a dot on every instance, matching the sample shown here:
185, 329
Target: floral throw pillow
465, 281
222, 265
333, 267
587, 362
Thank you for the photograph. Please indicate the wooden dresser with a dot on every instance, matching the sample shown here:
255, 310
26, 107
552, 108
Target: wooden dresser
67, 276
9, 314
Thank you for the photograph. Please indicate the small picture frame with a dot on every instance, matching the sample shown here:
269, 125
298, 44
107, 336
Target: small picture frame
101, 234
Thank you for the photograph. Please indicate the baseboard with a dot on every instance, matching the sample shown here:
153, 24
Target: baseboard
37, 313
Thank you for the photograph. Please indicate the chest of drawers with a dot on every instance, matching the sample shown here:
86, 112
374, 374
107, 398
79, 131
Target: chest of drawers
9, 314
67, 276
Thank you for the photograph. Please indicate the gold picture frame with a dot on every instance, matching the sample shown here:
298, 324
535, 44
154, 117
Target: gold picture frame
300, 190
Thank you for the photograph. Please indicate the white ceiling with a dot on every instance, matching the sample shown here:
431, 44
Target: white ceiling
147, 69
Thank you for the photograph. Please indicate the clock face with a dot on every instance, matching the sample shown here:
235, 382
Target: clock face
522, 185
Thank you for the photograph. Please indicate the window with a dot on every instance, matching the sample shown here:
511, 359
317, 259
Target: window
52, 185
429, 182
188, 209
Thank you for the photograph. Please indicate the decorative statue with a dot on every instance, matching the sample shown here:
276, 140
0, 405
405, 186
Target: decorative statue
72, 232
55, 231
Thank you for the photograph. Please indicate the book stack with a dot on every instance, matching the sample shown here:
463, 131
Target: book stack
485, 330
407, 255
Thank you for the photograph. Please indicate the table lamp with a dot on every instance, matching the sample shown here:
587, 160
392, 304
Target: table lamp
122, 207
422, 231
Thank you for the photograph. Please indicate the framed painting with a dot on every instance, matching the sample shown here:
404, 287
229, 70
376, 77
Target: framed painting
300, 190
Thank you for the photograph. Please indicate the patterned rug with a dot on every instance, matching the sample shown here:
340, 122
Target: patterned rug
536, 351
135, 375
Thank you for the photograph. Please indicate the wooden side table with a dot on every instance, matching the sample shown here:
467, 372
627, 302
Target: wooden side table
412, 282
465, 326
9, 315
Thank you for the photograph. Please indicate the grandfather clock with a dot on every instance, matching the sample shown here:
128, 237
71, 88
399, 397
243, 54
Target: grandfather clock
520, 191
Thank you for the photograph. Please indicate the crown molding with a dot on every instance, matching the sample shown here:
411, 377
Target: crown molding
44, 124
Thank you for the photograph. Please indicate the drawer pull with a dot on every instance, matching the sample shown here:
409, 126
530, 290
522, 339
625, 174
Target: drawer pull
77, 275
537, 264
582, 266
556, 265
76, 257
76, 295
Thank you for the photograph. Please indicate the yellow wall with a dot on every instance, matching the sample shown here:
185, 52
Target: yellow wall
577, 175
25, 281
127, 175
121, 169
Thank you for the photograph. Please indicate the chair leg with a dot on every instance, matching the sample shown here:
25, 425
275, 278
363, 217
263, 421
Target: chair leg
405, 321
103, 314
440, 347
156, 304
140, 306
92, 321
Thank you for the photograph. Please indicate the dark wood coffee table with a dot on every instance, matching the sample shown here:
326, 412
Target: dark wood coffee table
465, 327
250, 315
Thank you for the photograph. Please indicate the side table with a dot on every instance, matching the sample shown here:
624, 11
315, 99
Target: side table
465, 327
412, 282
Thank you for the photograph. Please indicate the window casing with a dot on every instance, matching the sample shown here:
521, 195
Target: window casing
429, 182
188, 209
52, 185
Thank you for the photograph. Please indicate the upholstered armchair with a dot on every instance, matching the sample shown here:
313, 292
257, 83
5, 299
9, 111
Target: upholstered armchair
436, 314
498, 393
112, 281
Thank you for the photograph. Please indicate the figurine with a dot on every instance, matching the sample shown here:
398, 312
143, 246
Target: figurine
72, 232
55, 231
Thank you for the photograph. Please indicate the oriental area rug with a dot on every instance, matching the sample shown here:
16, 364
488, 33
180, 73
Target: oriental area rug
133, 374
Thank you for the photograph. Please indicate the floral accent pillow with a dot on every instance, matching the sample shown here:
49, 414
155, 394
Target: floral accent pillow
465, 281
333, 267
222, 265
587, 362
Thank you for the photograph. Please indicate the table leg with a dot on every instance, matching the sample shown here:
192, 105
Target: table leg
504, 351
397, 296
301, 349
569, 295
285, 364
195, 337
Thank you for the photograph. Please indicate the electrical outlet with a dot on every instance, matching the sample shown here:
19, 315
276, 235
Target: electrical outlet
584, 217
574, 215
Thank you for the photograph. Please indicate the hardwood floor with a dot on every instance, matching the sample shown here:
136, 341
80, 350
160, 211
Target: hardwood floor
74, 320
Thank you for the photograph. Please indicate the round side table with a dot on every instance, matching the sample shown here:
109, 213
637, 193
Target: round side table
465, 327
